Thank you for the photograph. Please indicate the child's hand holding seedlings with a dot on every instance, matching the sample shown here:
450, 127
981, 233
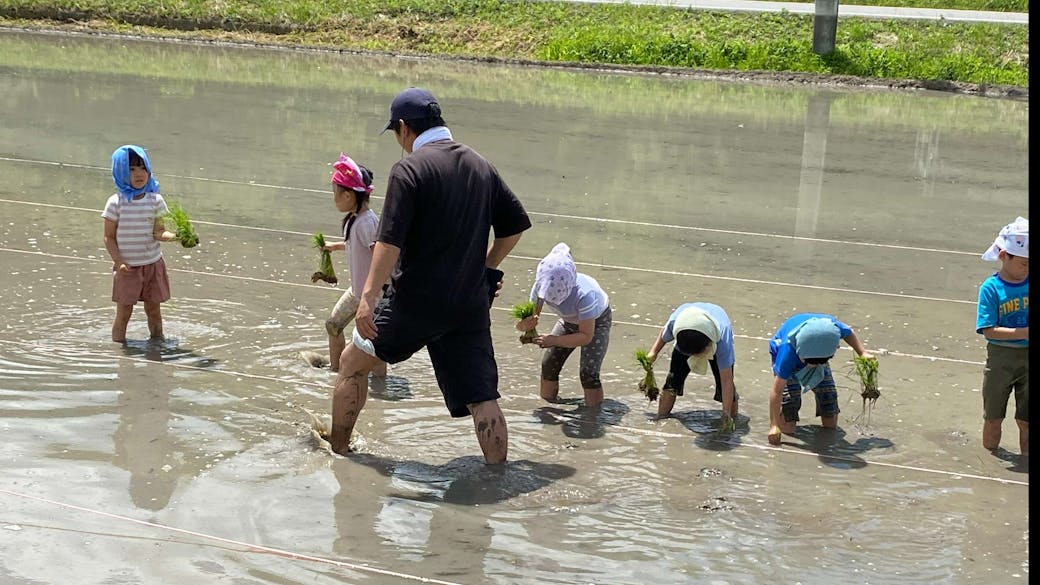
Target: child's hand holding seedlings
527, 323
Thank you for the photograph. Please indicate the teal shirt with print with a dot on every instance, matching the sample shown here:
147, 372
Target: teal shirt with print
1003, 304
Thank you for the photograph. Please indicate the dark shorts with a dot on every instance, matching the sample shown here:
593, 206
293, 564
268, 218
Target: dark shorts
149, 283
460, 349
1007, 371
679, 370
826, 398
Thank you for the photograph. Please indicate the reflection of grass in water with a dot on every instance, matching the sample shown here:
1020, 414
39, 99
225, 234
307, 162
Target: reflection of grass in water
632, 94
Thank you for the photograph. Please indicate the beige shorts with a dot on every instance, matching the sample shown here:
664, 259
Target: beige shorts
148, 283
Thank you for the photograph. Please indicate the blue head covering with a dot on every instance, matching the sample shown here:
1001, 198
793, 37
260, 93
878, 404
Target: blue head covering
121, 171
818, 337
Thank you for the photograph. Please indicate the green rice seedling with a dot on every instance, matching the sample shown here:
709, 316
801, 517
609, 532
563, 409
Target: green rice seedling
184, 230
520, 312
647, 385
325, 270
867, 369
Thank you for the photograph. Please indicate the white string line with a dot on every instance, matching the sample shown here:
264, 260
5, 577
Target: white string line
814, 454
249, 546
756, 281
325, 288
564, 419
557, 215
622, 268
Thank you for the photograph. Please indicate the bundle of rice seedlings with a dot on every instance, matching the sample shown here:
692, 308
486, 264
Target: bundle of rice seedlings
520, 312
647, 385
867, 369
185, 232
325, 271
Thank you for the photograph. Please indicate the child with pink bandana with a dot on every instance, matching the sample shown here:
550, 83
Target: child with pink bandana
351, 189
585, 321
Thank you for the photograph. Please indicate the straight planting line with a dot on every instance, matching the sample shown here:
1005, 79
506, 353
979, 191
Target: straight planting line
537, 213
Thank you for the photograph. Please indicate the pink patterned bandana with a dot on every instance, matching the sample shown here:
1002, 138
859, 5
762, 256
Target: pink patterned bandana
347, 174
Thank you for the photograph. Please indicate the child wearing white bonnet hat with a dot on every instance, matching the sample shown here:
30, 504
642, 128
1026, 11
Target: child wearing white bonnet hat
1013, 239
585, 321
1003, 320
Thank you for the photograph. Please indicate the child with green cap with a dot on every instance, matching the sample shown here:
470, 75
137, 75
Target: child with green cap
703, 336
800, 352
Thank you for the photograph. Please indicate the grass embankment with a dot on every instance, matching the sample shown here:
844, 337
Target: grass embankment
987, 54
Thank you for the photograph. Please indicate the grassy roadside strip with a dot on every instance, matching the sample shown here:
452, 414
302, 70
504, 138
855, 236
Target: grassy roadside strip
559, 32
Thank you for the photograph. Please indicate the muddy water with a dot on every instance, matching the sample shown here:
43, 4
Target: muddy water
175, 461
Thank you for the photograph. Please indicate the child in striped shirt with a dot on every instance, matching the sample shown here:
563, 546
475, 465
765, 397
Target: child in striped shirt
133, 229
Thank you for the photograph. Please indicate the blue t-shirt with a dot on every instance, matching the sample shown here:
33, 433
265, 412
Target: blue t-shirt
1003, 304
724, 354
785, 361
587, 301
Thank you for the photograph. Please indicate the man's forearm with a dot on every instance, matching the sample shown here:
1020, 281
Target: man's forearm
384, 258
500, 248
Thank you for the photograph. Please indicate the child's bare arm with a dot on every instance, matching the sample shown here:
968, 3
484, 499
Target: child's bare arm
1009, 333
656, 348
586, 328
112, 246
336, 246
857, 345
159, 231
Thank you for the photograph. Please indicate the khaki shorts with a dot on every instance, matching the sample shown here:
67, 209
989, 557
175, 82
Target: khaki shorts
148, 283
1007, 371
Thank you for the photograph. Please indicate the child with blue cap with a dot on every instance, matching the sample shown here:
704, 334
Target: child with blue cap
800, 352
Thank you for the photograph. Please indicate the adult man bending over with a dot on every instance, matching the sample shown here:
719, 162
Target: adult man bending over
442, 201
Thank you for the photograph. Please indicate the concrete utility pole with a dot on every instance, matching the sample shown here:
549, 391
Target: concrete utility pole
825, 27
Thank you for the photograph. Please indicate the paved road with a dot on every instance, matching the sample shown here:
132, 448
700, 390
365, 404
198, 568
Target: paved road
843, 10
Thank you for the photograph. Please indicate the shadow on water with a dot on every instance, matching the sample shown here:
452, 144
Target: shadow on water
466, 481
391, 388
1019, 464
584, 422
166, 350
832, 447
706, 424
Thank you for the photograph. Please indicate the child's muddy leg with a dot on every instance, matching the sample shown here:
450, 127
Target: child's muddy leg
991, 433
550, 390
121, 321
154, 312
337, 343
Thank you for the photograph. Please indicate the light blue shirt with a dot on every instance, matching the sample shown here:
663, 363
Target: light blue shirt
587, 301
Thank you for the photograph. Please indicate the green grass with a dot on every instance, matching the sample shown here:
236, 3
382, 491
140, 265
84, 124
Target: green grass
594, 34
